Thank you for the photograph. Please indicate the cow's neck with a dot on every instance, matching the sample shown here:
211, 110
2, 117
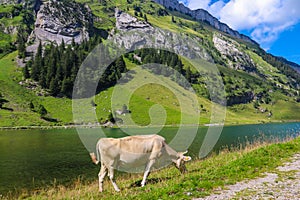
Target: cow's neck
171, 152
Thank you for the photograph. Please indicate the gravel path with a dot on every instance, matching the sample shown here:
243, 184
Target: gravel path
282, 184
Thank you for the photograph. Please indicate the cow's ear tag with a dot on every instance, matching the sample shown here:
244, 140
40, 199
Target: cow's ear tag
187, 158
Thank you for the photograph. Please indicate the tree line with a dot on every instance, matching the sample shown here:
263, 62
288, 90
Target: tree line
55, 67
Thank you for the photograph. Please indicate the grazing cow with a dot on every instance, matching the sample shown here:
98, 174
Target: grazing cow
132, 152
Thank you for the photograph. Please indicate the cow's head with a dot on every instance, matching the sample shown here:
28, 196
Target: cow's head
180, 161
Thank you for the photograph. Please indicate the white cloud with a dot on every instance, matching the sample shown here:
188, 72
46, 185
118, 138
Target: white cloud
198, 4
264, 19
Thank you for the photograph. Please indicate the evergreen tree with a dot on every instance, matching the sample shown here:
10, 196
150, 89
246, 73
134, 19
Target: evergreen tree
26, 68
67, 86
21, 40
120, 64
37, 64
54, 87
62, 46
42, 77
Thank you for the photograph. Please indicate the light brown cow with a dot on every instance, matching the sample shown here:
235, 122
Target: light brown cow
134, 152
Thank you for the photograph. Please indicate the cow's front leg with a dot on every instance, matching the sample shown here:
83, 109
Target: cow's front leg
112, 179
147, 171
101, 176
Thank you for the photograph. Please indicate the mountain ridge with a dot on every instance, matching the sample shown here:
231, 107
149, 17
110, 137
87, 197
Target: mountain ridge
204, 16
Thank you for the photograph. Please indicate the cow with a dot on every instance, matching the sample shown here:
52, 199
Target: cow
133, 152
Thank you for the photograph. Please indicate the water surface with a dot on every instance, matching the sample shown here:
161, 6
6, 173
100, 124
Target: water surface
39, 158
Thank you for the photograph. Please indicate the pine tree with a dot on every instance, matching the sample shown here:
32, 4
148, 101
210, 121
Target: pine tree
54, 87
62, 46
42, 78
21, 40
26, 68
67, 86
22, 49
120, 64
37, 64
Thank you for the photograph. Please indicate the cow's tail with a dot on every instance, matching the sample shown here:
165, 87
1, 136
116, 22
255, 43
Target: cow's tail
95, 158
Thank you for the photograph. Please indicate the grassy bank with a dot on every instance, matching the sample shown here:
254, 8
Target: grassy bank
203, 178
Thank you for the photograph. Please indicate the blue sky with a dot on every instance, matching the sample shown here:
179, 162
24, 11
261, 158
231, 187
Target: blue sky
274, 24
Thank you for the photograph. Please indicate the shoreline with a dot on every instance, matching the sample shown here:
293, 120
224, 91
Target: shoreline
163, 126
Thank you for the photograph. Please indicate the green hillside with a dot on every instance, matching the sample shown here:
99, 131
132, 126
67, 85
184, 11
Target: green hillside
258, 87
17, 111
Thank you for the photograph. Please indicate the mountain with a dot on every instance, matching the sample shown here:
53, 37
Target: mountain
204, 16
292, 64
53, 38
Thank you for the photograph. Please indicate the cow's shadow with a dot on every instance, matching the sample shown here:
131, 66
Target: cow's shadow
149, 181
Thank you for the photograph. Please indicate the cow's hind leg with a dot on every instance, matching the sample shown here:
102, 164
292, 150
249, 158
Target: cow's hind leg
112, 179
101, 176
147, 171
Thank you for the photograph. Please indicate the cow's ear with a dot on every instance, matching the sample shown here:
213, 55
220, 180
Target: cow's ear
181, 154
186, 158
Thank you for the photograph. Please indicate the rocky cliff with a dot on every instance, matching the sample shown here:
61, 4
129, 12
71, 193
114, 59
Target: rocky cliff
204, 16
133, 34
231, 51
61, 20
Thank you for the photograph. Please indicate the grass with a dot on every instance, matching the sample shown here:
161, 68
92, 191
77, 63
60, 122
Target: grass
160, 91
203, 178
17, 112
272, 73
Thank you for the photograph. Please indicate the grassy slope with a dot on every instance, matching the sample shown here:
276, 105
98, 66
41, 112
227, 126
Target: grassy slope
17, 96
142, 100
203, 176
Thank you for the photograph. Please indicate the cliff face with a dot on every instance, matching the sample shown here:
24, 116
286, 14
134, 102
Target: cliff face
231, 51
204, 16
57, 21
133, 34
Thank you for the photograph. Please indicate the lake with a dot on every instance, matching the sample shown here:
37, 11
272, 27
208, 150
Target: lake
31, 159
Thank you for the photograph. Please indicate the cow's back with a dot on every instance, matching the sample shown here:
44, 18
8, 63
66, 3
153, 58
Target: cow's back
142, 144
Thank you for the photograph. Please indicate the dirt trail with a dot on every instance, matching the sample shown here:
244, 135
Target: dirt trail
284, 183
